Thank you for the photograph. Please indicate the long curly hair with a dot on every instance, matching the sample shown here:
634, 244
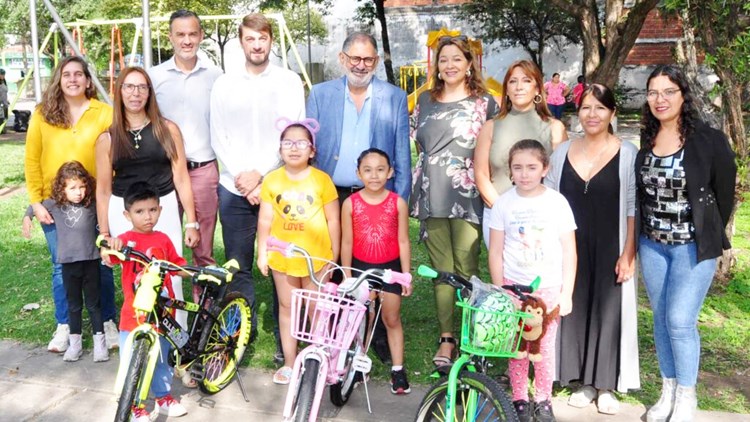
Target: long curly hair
53, 107
72, 170
122, 147
474, 81
650, 125
532, 71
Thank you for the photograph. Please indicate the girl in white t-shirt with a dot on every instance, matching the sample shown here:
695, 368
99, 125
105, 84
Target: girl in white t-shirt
532, 234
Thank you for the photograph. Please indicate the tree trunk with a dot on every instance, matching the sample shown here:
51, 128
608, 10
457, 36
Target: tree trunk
380, 11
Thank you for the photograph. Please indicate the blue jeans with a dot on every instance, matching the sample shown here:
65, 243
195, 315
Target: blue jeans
106, 278
556, 110
161, 382
677, 285
239, 224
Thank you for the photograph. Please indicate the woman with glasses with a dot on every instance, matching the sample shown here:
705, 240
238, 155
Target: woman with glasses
445, 123
143, 146
523, 115
64, 127
685, 179
598, 340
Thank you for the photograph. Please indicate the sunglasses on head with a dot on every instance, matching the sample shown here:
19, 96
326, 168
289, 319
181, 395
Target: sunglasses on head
448, 38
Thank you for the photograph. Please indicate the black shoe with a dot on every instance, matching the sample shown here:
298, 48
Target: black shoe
523, 410
381, 349
543, 412
399, 384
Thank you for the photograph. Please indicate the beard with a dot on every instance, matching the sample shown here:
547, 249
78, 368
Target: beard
256, 62
358, 80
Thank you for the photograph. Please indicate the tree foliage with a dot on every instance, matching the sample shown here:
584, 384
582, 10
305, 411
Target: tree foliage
608, 34
530, 24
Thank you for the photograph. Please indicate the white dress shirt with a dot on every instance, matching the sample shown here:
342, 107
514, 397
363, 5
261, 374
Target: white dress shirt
244, 111
184, 98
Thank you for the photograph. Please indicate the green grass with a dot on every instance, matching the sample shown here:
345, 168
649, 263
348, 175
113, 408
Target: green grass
724, 321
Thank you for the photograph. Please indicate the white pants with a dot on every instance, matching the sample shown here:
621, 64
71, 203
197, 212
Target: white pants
169, 223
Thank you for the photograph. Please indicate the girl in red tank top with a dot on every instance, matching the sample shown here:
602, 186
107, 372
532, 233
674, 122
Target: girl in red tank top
375, 234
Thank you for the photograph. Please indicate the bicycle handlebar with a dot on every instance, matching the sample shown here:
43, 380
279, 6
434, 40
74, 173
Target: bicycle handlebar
289, 250
216, 275
459, 282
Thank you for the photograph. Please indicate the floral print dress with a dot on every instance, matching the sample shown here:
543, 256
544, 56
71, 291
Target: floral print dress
446, 135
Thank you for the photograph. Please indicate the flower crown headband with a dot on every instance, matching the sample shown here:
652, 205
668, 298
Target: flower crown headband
312, 125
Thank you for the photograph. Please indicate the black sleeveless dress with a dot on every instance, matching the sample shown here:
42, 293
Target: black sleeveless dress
589, 337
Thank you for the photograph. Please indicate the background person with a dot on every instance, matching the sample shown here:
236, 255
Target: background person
64, 127
685, 179
445, 199
598, 341
523, 115
556, 93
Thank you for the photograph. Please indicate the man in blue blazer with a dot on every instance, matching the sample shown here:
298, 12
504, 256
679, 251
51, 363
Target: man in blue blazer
357, 112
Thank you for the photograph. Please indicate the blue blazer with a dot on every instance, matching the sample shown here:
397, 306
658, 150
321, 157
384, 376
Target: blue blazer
389, 125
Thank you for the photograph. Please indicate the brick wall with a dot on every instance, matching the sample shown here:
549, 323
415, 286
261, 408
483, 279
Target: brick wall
656, 42
651, 54
401, 3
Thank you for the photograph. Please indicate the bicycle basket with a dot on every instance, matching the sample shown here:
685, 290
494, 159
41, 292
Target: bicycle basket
490, 333
324, 319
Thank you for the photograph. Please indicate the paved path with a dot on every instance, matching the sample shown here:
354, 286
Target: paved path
36, 385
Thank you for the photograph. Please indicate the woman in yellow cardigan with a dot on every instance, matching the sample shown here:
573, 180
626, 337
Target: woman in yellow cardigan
64, 127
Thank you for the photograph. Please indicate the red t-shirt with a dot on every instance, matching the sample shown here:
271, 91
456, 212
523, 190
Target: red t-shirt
156, 244
375, 229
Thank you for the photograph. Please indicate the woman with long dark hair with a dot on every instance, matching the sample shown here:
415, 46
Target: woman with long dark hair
685, 178
444, 197
64, 127
598, 340
143, 146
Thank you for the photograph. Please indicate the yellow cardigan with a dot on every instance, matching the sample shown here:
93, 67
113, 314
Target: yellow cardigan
49, 147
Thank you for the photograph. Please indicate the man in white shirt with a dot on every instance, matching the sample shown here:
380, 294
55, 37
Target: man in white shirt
245, 106
182, 86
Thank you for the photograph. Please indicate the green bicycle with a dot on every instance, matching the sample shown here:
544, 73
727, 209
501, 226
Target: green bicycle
467, 393
211, 349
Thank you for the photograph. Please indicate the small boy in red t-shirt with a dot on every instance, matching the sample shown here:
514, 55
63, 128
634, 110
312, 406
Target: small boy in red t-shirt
142, 209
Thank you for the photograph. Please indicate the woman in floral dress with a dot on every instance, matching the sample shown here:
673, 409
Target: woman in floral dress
445, 124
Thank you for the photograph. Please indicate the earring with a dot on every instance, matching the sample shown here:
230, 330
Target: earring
537, 99
440, 76
468, 73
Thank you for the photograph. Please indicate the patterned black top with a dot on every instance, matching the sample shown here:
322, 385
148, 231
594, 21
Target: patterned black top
666, 215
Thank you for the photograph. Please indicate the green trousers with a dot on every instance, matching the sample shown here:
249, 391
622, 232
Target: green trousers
453, 246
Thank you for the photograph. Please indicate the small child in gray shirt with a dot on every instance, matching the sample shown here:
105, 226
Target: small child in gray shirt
73, 210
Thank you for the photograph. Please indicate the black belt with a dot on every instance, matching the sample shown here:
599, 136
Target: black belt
351, 189
192, 165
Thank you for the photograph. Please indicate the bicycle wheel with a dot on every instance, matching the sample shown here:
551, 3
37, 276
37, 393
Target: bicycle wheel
133, 380
306, 392
490, 401
223, 343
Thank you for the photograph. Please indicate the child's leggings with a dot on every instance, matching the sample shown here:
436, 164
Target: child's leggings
544, 371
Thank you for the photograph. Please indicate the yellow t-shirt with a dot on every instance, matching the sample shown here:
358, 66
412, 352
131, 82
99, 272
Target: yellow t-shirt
298, 217
49, 147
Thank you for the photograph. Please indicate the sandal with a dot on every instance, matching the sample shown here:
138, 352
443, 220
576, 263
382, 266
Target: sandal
607, 403
283, 376
582, 397
440, 360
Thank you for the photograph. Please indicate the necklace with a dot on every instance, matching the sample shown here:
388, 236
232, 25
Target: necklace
137, 133
590, 163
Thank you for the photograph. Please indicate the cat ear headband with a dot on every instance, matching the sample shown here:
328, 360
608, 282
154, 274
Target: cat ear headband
312, 125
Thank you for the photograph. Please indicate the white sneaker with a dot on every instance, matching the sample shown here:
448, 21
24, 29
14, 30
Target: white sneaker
111, 335
75, 349
59, 342
170, 407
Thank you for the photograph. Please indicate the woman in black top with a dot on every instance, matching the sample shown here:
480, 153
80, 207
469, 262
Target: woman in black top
685, 176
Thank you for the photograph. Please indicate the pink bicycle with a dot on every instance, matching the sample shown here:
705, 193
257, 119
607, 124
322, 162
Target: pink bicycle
331, 320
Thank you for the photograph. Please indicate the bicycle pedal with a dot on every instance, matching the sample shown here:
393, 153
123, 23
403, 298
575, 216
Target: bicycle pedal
362, 363
197, 372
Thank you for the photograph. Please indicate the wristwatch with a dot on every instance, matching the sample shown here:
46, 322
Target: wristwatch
195, 225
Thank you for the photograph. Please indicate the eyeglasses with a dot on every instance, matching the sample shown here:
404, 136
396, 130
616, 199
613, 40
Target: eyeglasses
129, 88
301, 144
354, 60
666, 94
448, 38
